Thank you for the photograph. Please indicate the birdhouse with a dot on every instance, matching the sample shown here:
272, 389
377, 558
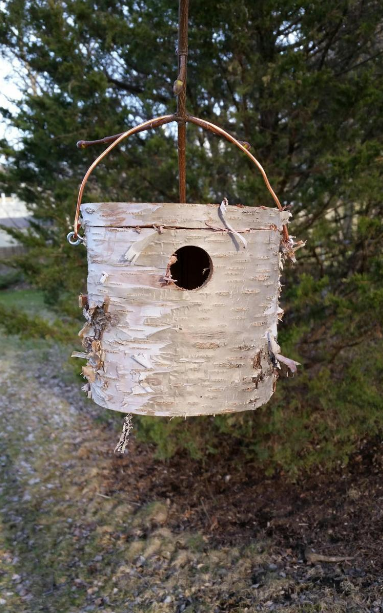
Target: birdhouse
182, 300
179, 311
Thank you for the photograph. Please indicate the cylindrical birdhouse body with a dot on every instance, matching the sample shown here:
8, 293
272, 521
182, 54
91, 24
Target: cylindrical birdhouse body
180, 314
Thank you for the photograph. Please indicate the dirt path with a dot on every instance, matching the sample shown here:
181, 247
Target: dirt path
82, 531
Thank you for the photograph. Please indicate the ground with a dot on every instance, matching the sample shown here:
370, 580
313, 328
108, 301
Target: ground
83, 530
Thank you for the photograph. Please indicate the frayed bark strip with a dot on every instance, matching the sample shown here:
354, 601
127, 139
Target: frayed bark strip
136, 248
276, 357
124, 438
223, 210
289, 247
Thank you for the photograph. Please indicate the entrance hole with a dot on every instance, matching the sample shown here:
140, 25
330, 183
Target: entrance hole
192, 269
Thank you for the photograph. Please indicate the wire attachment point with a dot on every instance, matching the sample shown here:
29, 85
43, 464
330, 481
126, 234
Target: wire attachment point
74, 239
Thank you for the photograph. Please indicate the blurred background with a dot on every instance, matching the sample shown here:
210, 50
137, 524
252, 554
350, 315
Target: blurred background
302, 83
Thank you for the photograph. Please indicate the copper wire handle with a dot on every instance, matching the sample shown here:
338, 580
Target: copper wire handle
181, 117
152, 123
160, 121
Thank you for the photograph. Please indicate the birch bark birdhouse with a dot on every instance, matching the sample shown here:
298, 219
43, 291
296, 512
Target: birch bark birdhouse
180, 315
182, 301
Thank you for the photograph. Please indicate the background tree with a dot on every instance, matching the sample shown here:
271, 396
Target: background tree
300, 81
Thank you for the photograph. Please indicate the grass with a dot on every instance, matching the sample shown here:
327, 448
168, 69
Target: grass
23, 312
28, 300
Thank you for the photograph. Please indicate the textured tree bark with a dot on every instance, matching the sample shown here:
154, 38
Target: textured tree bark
154, 348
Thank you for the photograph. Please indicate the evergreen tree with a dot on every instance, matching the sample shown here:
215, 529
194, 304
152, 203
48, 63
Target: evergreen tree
301, 82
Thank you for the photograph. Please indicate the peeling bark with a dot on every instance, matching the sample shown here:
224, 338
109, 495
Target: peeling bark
154, 348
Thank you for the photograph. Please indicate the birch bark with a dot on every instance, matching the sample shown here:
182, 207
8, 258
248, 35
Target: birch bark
156, 349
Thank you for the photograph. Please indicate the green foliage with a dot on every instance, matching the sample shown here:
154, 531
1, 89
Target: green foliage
173, 435
10, 278
16, 321
23, 312
298, 80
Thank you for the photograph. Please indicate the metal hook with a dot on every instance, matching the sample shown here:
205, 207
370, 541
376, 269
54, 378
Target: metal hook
75, 242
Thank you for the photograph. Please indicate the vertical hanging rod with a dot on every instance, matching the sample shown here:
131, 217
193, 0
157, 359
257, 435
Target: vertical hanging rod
180, 92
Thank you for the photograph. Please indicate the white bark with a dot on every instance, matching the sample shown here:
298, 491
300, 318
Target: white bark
157, 349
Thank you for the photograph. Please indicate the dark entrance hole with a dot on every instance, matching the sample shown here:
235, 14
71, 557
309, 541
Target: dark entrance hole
192, 268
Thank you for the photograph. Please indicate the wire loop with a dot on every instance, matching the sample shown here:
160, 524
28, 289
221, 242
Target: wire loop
74, 239
156, 122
